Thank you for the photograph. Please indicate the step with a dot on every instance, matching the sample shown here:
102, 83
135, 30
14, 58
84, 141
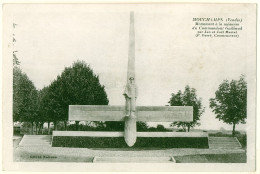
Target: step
25, 142
233, 144
224, 147
220, 138
134, 160
40, 144
224, 143
35, 140
217, 142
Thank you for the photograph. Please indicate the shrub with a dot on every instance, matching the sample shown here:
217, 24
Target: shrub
118, 142
181, 130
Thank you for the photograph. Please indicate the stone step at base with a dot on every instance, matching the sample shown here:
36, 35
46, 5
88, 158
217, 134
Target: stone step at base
234, 143
35, 144
223, 140
233, 140
230, 138
35, 140
220, 137
32, 139
224, 143
134, 160
225, 148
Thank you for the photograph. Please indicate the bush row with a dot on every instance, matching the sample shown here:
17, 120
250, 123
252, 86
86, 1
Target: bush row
141, 142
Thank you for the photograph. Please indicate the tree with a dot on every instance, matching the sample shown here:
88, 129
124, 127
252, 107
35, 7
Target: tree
230, 102
188, 98
44, 108
161, 128
16, 62
24, 97
77, 85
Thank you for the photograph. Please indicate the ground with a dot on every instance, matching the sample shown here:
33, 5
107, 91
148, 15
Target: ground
46, 153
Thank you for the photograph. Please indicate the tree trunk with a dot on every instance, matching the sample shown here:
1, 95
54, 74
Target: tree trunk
77, 125
184, 128
32, 128
36, 126
40, 128
55, 125
188, 128
48, 128
65, 125
233, 131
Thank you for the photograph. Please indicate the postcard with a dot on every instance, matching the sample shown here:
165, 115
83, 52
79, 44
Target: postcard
129, 87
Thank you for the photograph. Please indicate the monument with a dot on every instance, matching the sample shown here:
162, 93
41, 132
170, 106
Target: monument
130, 113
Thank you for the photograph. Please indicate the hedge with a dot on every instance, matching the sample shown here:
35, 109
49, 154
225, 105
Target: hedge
119, 142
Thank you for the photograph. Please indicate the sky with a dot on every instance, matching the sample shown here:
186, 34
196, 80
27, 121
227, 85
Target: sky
168, 55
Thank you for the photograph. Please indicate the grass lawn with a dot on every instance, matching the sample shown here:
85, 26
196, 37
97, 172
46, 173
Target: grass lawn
212, 158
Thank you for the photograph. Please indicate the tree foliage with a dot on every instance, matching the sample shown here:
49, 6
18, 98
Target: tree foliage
44, 105
187, 98
24, 97
77, 85
230, 102
16, 62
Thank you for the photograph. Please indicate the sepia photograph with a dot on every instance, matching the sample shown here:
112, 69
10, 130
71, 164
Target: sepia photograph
162, 87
